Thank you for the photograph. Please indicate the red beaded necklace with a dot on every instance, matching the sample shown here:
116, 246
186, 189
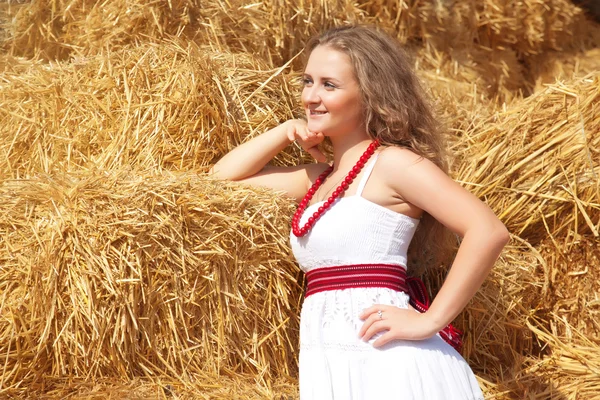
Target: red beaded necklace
299, 232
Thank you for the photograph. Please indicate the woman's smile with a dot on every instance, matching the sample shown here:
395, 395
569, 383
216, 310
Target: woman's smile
331, 95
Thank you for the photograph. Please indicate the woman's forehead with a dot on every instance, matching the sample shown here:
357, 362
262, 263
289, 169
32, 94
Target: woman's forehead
325, 61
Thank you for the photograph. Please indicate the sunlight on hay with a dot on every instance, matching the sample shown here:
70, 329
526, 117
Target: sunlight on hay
156, 106
126, 272
143, 275
536, 162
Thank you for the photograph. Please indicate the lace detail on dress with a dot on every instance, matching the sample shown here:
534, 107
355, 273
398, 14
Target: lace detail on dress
339, 312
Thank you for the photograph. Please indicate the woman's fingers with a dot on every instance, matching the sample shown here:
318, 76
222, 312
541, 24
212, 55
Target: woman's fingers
384, 339
370, 316
297, 131
375, 327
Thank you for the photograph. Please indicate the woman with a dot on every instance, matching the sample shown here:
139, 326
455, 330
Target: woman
360, 338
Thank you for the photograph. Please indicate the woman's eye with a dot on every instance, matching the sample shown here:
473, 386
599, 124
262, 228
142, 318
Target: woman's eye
329, 85
306, 81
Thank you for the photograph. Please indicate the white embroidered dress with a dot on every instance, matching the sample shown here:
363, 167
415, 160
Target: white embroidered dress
334, 363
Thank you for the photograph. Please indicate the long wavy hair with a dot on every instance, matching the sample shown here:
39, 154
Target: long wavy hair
397, 113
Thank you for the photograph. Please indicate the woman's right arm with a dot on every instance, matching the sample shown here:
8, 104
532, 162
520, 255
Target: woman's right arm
248, 162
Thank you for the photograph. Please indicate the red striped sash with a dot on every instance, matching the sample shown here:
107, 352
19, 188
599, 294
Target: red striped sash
377, 275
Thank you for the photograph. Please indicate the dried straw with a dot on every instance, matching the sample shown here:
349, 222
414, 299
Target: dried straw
124, 274
206, 386
137, 274
549, 67
536, 163
527, 27
168, 106
54, 29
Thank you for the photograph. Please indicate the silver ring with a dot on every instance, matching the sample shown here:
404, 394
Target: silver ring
380, 314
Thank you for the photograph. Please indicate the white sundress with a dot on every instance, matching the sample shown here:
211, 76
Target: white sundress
334, 363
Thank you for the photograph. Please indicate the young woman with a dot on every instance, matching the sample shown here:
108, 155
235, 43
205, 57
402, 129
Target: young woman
360, 338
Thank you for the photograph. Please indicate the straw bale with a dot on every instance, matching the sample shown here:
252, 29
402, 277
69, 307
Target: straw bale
551, 66
536, 162
137, 274
472, 75
206, 386
527, 27
53, 29
164, 106
269, 28
276, 30
571, 369
573, 279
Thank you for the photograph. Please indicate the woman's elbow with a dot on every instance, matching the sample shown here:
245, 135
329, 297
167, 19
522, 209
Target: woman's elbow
216, 173
500, 233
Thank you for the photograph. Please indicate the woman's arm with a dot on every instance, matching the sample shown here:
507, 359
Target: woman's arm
247, 162
420, 182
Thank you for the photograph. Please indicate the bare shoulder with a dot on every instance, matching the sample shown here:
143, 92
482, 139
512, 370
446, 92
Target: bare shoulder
409, 174
396, 160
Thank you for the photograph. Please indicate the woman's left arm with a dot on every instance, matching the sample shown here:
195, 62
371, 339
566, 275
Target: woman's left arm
421, 183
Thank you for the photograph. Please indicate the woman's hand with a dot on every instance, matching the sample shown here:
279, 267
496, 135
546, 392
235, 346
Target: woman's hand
297, 130
399, 323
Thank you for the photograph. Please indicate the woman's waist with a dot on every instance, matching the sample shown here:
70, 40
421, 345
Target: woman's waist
356, 276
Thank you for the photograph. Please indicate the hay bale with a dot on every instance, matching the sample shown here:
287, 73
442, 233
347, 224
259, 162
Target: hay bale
473, 75
135, 274
206, 387
572, 367
54, 29
551, 66
266, 28
573, 279
536, 162
157, 106
527, 27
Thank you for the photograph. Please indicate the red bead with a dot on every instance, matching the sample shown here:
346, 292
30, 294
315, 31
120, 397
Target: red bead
336, 193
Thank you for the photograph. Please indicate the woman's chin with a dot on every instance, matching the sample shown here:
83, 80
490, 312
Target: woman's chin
314, 127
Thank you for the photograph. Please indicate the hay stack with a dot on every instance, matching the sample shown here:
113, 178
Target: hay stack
536, 163
270, 29
527, 27
168, 106
549, 67
128, 275
119, 264
204, 387
54, 29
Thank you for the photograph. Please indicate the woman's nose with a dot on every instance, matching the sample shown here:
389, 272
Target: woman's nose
310, 94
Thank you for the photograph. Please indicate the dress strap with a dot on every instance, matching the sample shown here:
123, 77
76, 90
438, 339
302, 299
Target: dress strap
366, 174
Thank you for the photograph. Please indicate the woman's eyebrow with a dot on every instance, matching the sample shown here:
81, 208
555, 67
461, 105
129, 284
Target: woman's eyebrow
324, 78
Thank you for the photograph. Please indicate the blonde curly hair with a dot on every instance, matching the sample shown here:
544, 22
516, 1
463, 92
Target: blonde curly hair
397, 113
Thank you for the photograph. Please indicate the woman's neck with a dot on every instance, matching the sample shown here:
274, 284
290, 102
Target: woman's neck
348, 149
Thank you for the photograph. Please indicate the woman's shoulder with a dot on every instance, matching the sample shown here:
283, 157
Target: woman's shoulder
393, 158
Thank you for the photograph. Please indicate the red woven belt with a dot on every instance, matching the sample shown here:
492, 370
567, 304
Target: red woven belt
378, 275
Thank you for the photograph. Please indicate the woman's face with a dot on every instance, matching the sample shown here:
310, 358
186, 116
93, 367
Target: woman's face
331, 96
